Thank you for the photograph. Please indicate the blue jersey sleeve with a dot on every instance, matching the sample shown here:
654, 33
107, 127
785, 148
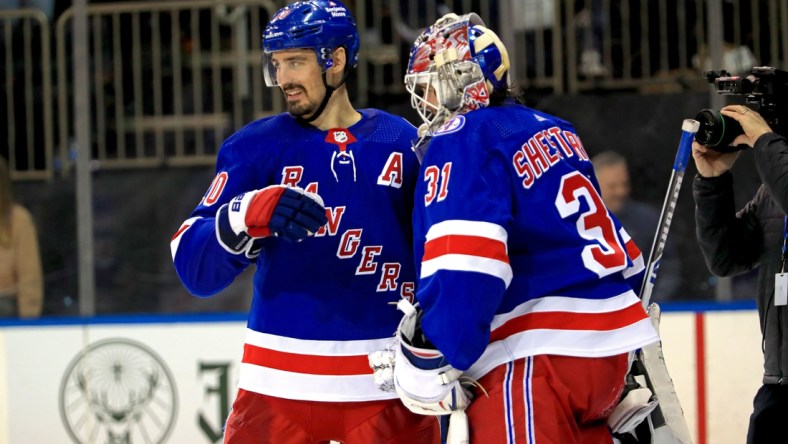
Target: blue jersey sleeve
461, 229
202, 264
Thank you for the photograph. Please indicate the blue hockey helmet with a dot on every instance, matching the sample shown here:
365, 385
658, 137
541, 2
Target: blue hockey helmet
461, 62
320, 25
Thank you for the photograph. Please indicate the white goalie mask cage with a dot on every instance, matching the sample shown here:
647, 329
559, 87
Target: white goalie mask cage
446, 84
453, 68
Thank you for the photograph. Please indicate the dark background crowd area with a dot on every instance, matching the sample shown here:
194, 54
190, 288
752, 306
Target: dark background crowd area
136, 211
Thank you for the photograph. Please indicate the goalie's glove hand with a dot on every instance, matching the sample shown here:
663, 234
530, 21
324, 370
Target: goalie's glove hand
286, 212
425, 383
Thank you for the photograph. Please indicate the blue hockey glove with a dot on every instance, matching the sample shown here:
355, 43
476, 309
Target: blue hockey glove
286, 212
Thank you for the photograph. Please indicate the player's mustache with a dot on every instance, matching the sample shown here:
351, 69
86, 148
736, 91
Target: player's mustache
292, 86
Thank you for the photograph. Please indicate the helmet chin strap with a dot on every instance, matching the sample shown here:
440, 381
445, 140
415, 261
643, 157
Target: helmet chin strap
329, 91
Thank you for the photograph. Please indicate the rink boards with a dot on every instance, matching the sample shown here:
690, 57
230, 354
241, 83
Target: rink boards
172, 378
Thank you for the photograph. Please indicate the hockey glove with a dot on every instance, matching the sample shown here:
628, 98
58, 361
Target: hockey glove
423, 380
289, 213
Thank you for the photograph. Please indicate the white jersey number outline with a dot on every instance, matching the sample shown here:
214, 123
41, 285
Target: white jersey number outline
437, 183
605, 254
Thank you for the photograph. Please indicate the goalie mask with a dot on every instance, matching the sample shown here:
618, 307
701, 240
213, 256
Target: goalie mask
454, 67
320, 25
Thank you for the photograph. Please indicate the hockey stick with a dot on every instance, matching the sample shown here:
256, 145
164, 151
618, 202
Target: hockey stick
666, 422
688, 128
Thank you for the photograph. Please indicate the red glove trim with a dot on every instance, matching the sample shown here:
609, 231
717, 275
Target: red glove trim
260, 209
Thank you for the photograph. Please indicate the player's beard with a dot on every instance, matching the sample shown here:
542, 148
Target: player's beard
302, 106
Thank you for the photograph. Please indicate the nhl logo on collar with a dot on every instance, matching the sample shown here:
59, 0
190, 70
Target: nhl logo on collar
342, 159
339, 137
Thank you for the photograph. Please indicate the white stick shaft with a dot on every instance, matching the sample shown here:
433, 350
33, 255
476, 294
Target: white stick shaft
688, 128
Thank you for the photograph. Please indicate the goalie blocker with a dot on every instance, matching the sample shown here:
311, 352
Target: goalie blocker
419, 374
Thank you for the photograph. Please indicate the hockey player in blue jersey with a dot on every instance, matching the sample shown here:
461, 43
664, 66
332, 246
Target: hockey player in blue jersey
319, 200
526, 318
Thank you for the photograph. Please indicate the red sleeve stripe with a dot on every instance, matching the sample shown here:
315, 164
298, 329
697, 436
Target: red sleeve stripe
307, 364
562, 320
180, 230
634, 253
632, 250
468, 245
464, 245
176, 238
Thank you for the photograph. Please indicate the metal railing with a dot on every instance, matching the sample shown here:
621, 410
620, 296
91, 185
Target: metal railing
170, 80
26, 131
571, 46
642, 43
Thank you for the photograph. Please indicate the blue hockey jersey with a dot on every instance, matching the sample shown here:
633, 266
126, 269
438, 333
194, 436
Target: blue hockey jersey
517, 254
321, 305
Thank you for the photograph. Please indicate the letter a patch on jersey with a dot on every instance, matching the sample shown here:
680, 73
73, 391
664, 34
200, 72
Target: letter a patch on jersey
391, 175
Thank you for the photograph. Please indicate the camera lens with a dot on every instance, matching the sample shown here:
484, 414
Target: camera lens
716, 130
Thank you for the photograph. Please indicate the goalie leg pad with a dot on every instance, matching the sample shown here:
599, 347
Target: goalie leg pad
661, 384
665, 422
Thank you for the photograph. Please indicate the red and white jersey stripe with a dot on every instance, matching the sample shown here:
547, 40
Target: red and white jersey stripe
559, 325
335, 371
465, 245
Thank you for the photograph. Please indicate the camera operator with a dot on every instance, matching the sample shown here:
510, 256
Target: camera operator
736, 242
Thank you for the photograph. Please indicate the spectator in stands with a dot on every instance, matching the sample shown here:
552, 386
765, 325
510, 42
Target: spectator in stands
591, 19
534, 22
638, 218
21, 284
736, 242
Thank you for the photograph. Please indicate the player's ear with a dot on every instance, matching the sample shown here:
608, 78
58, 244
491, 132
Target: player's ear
340, 60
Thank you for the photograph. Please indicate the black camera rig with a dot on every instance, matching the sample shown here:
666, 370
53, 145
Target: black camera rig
764, 91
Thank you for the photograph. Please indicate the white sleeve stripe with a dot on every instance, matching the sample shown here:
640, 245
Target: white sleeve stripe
637, 267
467, 228
624, 235
462, 262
